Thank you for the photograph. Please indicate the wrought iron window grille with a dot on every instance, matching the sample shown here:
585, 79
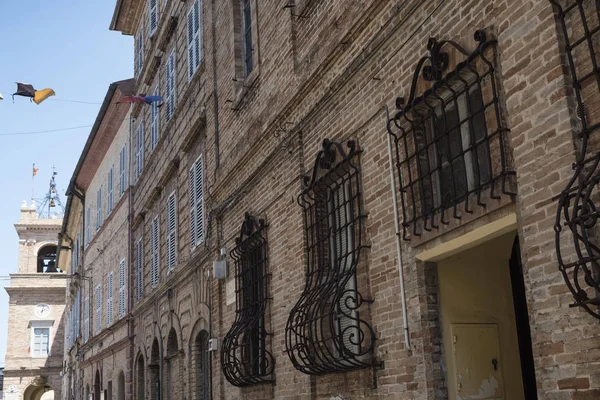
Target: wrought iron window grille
451, 140
326, 330
246, 357
576, 234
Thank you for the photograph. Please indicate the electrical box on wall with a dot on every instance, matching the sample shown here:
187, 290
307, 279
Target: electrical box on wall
212, 344
220, 269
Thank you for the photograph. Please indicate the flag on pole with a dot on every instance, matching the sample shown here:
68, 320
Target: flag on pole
35, 170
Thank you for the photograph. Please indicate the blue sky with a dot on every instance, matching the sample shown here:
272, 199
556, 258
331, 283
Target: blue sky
64, 45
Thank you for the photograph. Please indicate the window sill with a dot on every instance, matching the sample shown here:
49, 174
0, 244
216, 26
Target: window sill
242, 88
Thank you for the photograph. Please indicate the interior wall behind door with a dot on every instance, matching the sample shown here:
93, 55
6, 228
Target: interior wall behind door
475, 288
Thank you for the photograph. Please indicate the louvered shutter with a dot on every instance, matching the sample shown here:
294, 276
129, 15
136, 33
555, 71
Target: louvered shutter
153, 16
88, 226
341, 243
193, 214
86, 320
170, 85
139, 53
199, 192
140, 148
109, 190
155, 252
99, 208
154, 117
140, 269
98, 308
78, 314
190, 43
122, 170
109, 300
197, 33
171, 232
122, 287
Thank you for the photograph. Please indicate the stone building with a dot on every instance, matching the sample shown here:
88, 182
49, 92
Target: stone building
34, 352
402, 194
94, 249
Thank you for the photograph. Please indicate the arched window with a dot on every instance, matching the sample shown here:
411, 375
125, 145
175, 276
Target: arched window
141, 379
174, 388
97, 385
154, 371
201, 367
46, 260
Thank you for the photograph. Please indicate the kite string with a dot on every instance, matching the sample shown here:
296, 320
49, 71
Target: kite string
46, 131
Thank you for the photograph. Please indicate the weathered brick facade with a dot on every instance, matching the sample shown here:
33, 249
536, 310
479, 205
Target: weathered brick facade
326, 70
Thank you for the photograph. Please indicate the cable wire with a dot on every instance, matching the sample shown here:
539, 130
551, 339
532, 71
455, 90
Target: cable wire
47, 131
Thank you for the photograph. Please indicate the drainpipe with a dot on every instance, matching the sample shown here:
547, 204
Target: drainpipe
215, 86
398, 242
130, 270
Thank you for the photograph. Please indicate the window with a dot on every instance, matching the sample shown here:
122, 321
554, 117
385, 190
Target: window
75, 254
139, 53
245, 357
110, 190
88, 226
171, 232
246, 30
334, 228
459, 166
170, 86
140, 148
122, 289
99, 208
139, 268
197, 203
451, 143
123, 170
194, 38
155, 254
154, 121
40, 338
152, 17
109, 300
86, 320
98, 299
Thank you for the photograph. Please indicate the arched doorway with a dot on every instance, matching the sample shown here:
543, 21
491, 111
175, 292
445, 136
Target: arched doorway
121, 386
154, 371
97, 385
174, 387
140, 379
38, 393
201, 366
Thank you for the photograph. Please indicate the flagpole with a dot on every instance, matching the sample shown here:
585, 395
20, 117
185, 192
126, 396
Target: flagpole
32, 181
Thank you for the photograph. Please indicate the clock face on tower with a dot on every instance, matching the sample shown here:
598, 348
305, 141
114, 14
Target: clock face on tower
42, 310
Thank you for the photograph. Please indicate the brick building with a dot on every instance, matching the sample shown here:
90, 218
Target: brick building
449, 275
33, 363
94, 238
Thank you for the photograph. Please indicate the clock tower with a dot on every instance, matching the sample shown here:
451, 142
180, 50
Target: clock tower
33, 364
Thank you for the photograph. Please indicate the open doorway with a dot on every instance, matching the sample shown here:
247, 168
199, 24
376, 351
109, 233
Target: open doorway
485, 324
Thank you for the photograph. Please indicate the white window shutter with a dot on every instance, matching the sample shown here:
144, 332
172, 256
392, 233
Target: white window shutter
86, 321
190, 43
171, 232
98, 308
155, 245
122, 288
153, 16
199, 189
109, 300
193, 222
170, 86
110, 190
88, 226
99, 208
194, 38
139, 53
140, 148
140, 269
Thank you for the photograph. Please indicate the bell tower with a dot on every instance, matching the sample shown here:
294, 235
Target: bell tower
35, 314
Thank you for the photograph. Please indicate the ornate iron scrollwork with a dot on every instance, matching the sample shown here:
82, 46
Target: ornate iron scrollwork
246, 357
450, 142
576, 247
326, 330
